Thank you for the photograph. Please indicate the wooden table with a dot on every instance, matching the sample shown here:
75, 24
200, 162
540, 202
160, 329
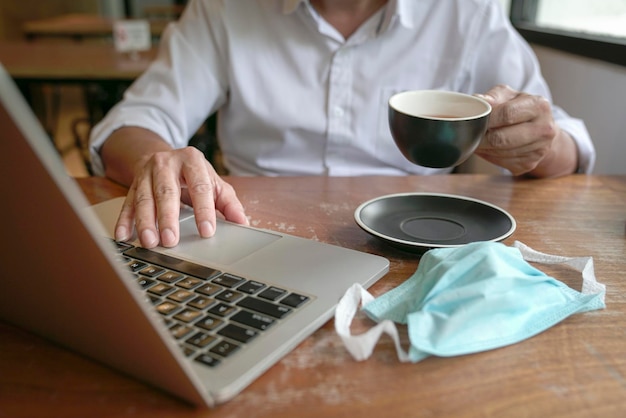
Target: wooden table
65, 62
90, 63
575, 369
103, 72
78, 26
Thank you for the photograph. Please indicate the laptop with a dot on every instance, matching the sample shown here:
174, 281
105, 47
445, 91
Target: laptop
64, 278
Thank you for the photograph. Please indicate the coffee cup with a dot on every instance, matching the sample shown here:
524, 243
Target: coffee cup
437, 129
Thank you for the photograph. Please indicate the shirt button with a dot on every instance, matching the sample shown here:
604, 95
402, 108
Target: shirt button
338, 111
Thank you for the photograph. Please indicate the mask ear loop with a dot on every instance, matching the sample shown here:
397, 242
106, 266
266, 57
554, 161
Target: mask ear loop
361, 346
582, 265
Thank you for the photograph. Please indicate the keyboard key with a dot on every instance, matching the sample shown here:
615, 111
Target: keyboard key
151, 271
200, 339
181, 295
188, 315
201, 302
237, 333
161, 289
294, 300
251, 287
222, 310
224, 348
167, 308
228, 280
122, 246
209, 289
264, 307
180, 331
170, 277
135, 266
273, 293
209, 323
208, 360
254, 320
229, 296
189, 282
145, 282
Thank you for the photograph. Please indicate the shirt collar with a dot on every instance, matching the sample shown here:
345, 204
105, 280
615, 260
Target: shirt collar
405, 11
402, 10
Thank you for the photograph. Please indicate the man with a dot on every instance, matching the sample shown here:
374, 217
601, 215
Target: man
302, 89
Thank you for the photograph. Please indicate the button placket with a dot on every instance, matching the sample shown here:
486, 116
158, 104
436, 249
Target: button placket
339, 96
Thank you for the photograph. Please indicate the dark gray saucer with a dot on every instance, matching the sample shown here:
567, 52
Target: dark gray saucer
420, 221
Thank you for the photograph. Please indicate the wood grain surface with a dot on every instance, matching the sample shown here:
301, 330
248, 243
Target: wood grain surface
575, 369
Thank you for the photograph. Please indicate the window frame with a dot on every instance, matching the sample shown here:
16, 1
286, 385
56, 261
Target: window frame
604, 48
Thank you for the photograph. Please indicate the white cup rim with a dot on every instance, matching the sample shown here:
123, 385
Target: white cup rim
435, 103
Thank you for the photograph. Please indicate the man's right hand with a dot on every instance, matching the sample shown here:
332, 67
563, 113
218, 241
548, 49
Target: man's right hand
162, 178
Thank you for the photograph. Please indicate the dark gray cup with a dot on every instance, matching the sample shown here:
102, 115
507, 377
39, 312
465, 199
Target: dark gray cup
435, 128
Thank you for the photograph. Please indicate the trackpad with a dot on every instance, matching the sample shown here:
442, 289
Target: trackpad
230, 243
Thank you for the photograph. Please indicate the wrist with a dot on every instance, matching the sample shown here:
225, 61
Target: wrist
561, 160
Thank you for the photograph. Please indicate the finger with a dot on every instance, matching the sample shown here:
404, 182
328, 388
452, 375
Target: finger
525, 149
517, 150
499, 94
509, 106
145, 211
200, 179
126, 218
538, 132
229, 204
520, 138
166, 190
524, 108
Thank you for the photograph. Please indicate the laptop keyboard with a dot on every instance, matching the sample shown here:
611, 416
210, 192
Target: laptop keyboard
212, 314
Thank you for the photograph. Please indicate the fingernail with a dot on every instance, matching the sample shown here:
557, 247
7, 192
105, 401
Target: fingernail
121, 233
206, 229
168, 239
148, 238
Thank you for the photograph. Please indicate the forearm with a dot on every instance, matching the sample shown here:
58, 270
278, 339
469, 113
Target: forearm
561, 160
125, 148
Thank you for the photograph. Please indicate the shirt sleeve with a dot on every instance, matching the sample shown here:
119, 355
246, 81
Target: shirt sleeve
183, 86
502, 56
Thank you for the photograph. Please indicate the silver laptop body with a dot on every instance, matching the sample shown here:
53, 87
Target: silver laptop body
62, 277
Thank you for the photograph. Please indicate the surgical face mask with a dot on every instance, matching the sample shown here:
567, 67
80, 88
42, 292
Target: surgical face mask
469, 299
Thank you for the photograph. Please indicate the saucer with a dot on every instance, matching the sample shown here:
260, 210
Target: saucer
418, 222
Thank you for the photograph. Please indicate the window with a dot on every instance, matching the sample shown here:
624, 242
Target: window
592, 17
595, 29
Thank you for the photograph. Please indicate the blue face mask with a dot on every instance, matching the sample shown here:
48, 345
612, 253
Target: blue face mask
469, 299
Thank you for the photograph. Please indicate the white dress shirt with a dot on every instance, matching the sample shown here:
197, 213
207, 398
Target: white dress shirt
296, 98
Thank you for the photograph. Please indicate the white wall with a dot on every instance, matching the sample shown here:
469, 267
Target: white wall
594, 91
